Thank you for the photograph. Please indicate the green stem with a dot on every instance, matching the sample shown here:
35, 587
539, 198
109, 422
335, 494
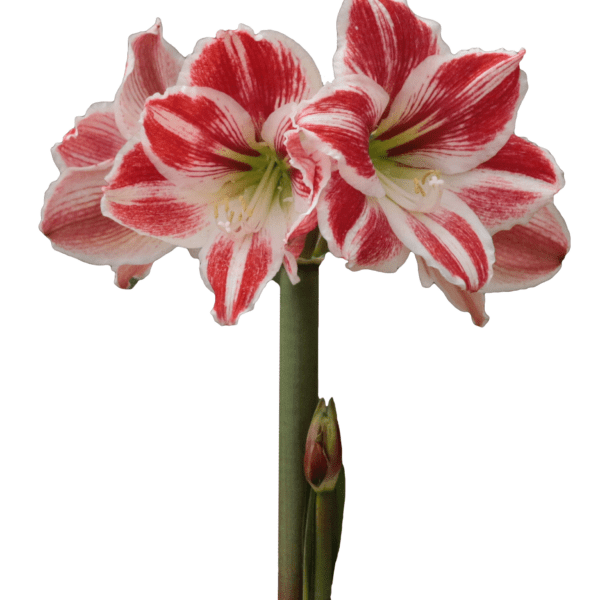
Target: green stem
298, 397
325, 509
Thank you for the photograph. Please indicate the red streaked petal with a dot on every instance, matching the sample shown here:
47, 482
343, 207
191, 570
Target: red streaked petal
339, 210
338, 122
72, 219
94, 139
237, 269
450, 239
261, 72
471, 302
309, 174
306, 224
519, 156
455, 112
375, 246
384, 40
140, 198
153, 65
290, 261
530, 254
357, 229
196, 134
309, 171
276, 126
126, 276
510, 187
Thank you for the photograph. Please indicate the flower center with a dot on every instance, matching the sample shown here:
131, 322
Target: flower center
243, 204
416, 190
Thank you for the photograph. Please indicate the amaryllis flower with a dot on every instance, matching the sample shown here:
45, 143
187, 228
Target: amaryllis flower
424, 145
211, 167
71, 216
526, 255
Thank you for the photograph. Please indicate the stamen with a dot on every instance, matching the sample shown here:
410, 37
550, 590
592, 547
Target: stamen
418, 187
428, 174
423, 194
246, 207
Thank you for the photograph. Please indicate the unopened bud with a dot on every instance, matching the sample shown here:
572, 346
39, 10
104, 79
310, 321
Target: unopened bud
323, 456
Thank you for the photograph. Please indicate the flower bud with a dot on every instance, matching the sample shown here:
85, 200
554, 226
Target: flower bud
323, 456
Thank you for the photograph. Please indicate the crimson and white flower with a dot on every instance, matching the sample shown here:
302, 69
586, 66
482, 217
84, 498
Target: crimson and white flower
211, 168
71, 216
426, 156
526, 255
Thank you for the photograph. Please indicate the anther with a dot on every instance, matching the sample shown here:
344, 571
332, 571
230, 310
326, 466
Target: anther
428, 174
418, 187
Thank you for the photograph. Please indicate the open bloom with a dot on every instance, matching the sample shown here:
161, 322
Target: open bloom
211, 166
71, 216
425, 153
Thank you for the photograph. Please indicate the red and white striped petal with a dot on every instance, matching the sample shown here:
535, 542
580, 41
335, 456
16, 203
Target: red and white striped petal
450, 239
197, 136
510, 187
338, 122
306, 174
384, 40
526, 255
153, 65
276, 127
455, 112
471, 302
357, 229
309, 174
237, 269
73, 221
261, 72
94, 139
140, 198
530, 254
126, 276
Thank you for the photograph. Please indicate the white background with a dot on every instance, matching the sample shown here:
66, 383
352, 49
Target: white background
138, 439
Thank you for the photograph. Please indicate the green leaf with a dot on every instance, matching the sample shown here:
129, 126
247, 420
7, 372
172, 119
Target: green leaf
340, 496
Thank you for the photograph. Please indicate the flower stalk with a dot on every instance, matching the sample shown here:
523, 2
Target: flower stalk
298, 397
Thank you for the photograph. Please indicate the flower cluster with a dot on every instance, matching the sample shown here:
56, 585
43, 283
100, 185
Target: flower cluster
238, 152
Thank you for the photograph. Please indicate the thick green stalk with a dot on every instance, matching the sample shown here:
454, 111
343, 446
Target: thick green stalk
298, 397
